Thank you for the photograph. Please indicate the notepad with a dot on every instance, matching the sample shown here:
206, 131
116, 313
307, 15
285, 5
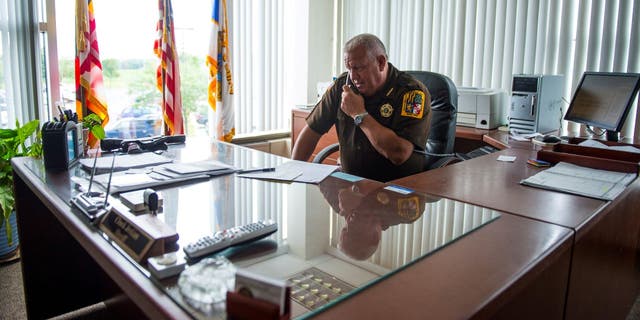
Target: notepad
295, 171
574, 179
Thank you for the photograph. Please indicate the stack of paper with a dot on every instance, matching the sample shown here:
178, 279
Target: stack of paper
123, 162
570, 178
168, 173
595, 144
295, 171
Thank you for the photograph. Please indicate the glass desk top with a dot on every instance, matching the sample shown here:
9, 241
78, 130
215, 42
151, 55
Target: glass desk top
333, 239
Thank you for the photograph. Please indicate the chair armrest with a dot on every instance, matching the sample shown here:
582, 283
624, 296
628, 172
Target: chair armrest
324, 153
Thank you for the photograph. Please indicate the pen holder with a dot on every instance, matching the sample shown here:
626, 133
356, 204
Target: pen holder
241, 307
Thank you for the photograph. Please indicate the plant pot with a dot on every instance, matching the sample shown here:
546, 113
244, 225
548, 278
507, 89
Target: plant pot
7, 249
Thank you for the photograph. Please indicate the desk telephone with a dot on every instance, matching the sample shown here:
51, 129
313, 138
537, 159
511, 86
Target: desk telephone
476, 152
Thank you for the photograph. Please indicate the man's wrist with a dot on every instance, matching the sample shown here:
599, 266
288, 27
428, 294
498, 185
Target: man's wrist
358, 118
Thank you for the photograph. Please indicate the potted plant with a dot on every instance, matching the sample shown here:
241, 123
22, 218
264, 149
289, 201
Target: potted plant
22, 141
93, 124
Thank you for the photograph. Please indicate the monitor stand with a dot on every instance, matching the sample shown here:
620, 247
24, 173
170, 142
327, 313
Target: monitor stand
613, 136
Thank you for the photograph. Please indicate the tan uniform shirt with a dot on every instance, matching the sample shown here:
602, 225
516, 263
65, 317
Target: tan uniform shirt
402, 105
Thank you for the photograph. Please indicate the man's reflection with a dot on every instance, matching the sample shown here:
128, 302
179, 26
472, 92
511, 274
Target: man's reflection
368, 209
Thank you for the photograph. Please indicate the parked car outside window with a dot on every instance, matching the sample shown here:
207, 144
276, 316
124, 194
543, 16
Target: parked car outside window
140, 127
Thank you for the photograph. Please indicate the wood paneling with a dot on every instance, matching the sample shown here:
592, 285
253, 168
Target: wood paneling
298, 122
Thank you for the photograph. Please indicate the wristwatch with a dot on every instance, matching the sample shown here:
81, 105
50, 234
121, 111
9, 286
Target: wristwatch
357, 120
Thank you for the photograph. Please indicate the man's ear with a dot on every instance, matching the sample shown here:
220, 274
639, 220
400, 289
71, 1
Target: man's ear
382, 62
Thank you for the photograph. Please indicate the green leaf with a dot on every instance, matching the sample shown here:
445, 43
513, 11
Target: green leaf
28, 129
94, 123
15, 142
6, 200
91, 120
98, 132
8, 133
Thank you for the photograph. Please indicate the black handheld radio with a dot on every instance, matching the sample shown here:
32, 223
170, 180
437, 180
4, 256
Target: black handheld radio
60, 144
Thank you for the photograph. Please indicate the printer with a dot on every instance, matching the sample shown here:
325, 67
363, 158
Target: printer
481, 108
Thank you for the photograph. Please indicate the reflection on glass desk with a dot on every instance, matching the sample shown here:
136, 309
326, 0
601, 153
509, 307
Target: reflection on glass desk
343, 235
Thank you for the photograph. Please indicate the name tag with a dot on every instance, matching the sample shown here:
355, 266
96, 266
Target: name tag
126, 235
140, 236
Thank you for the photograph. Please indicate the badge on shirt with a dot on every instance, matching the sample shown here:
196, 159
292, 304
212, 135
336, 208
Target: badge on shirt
408, 208
413, 104
386, 110
382, 197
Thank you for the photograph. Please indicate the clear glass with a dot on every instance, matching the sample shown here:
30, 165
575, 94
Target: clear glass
205, 284
333, 239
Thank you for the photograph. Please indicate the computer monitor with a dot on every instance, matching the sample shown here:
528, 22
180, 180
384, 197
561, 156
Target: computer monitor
603, 100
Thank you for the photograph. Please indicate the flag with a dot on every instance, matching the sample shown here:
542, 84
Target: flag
88, 69
168, 73
220, 92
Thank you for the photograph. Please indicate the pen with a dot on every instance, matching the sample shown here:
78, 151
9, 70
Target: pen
62, 115
257, 170
539, 161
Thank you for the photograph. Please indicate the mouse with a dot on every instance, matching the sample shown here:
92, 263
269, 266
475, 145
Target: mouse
549, 138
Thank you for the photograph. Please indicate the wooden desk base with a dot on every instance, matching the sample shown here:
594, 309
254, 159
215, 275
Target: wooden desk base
605, 275
423, 290
51, 265
66, 265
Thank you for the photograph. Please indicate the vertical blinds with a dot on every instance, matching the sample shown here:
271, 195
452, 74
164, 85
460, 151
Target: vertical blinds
441, 222
483, 43
18, 45
257, 67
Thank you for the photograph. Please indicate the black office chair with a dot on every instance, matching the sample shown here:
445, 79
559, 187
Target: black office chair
444, 108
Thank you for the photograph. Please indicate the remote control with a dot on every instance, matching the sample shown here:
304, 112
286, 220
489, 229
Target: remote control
230, 237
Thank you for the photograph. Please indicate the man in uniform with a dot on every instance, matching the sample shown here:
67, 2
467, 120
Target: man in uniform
381, 115
369, 208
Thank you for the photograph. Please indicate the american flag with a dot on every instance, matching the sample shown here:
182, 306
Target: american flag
168, 74
88, 69
219, 63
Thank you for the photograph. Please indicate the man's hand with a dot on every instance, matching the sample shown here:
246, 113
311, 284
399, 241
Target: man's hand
383, 139
352, 103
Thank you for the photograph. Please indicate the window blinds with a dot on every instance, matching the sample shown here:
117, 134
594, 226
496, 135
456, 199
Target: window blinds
483, 43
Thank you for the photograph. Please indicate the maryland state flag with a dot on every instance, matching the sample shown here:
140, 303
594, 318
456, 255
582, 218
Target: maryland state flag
219, 63
168, 74
88, 69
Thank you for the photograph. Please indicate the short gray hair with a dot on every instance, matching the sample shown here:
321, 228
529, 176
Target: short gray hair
370, 42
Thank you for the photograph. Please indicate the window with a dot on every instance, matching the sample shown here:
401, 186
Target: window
126, 37
18, 62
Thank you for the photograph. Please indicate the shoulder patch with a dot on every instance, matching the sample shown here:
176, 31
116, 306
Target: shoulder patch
413, 104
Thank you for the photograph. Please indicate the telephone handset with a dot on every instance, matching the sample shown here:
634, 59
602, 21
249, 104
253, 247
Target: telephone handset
351, 85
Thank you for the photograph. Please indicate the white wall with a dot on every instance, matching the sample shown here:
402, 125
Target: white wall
320, 45
308, 49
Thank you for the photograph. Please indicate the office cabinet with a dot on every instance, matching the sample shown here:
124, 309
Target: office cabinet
298, 122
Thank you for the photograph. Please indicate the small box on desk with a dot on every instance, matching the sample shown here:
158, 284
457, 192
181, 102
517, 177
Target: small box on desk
597, 158
241, 307
258, 297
